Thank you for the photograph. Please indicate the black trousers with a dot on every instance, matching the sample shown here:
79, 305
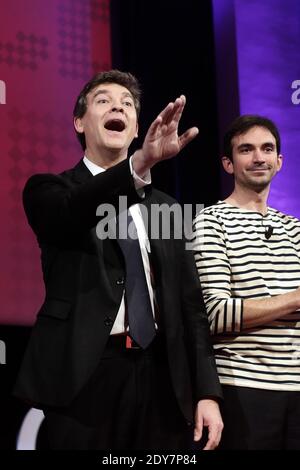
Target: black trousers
256, 419
129, 403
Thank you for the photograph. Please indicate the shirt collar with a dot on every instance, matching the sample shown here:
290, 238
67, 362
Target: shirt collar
94, 169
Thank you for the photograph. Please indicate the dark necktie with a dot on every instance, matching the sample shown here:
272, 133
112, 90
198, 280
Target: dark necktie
140, 316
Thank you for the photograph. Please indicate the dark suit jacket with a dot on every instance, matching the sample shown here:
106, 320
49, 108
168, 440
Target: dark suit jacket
84, 285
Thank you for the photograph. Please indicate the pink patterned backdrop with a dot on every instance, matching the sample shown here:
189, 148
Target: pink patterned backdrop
48, 50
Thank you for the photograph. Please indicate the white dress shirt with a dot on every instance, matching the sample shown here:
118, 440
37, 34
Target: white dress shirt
135, 211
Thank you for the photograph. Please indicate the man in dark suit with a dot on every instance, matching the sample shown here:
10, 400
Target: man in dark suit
101, 384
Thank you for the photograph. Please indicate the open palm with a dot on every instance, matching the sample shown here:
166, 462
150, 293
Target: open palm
162, 140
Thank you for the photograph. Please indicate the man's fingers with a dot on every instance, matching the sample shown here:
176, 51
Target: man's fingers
162, 118
167, 112
175, 114
173, 111
198, 431
154, 126
170, 114
214, 437
188, 136
178, 108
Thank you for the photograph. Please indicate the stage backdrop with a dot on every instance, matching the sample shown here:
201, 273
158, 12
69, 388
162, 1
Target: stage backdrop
258, 69
48, 50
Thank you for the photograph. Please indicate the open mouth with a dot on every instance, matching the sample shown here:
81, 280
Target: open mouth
116, 125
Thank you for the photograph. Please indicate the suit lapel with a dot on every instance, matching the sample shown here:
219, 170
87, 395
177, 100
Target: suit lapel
157, 246
81, 173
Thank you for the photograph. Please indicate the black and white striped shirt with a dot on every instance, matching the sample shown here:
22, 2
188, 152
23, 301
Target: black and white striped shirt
236, 261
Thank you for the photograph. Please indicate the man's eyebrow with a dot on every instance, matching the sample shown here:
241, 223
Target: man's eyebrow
268, 144
127, 94
104, 91
245, 145
248, 145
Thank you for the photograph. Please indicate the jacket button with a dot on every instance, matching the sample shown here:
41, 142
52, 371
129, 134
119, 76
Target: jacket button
120, 281
108, 321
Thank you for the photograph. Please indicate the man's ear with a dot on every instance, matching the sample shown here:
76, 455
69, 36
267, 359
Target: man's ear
136, 131
227, 165
279, 162
78, 124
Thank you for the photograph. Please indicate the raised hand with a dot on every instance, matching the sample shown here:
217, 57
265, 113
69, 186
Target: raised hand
162, 141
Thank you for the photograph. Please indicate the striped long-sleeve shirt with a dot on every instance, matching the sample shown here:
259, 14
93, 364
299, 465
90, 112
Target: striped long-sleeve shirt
236, 261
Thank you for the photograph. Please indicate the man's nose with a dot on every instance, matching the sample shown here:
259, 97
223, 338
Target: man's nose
258, 156
118, 108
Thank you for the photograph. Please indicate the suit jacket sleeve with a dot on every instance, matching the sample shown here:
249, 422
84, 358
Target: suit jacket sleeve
57, 208
198, 339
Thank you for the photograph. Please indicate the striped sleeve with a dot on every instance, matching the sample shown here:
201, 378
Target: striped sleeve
209, 245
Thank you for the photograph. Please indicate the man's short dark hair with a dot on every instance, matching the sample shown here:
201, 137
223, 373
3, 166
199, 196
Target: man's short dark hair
124, 79
242, 124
